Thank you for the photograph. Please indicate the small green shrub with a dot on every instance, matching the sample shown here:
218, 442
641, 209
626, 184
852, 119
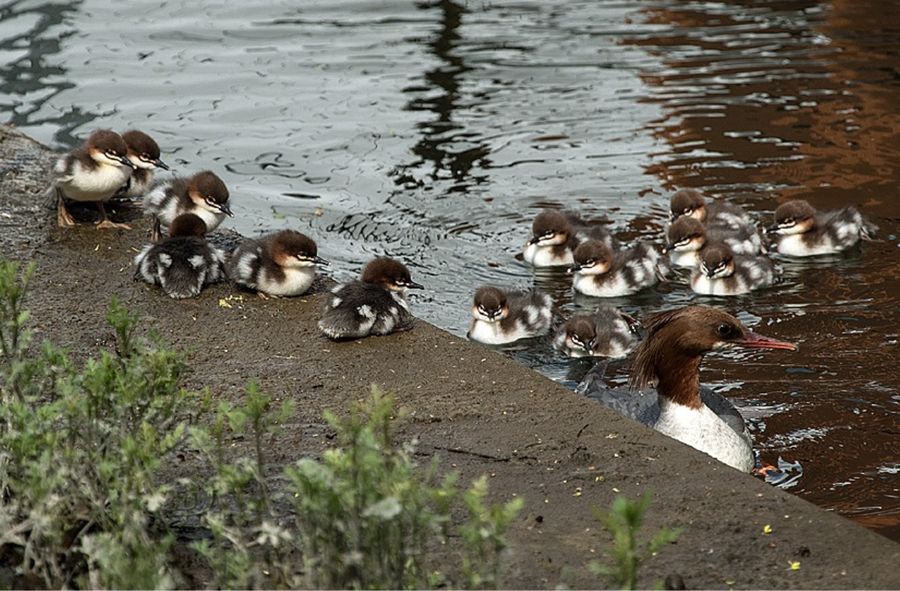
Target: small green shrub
623, 521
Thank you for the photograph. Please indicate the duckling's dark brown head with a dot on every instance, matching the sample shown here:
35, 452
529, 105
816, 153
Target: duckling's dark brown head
389, 273
143, 150
207, 190
187, 224
794, 217
688, 202
293, 249
107, 147
593, 257
581, 333
686, 234
489, 304
717, 260
550, 228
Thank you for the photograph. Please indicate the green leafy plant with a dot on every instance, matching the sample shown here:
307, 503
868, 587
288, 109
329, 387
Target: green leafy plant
623, 521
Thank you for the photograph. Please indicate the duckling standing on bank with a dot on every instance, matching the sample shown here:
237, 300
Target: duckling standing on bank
692, 203
93, 172
555, 236
500, 317
183, 263
204, 195
723, 273
282, 264
688, 236
802, 231
143, 152
373, 305
605, 333
600, 272
670, 356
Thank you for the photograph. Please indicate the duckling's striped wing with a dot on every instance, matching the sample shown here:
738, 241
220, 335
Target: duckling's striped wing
356, 310
246, 263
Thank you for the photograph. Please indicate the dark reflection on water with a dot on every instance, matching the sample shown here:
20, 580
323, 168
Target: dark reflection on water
434, 131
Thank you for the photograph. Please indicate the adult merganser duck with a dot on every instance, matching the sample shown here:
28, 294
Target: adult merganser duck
282, 264
374, 305
554, 238
803, 232
143, 152
500, 317
605, 333
203, 194
688, 236
692, 203
723, 273
599, 272
670, 356
93, 172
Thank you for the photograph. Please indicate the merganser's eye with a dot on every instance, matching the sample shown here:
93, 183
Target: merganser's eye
725, 331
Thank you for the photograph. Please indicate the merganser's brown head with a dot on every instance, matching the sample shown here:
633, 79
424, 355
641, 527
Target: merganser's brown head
550, 228
676, 342
686, 234
390, 274
293, 250
208, 191
581, 333
717, 260
593, 258
688, 202
794, 217
489, 304
143, 151
187, 224
107, 147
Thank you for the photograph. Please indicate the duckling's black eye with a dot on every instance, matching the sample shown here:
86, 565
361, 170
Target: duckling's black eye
726, 331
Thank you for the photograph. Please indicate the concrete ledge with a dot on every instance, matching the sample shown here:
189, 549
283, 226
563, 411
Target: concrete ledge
477, 410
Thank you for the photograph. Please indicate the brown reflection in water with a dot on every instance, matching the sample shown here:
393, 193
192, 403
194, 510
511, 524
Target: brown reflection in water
768, 102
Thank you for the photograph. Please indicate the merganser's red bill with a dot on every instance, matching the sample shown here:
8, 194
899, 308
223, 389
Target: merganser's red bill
757, 341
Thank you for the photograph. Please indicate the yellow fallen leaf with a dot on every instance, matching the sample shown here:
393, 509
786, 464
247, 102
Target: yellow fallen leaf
223, 303
767, 529
795, 564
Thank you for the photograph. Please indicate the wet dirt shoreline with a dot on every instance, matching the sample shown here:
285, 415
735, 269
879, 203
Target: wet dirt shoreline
475, 409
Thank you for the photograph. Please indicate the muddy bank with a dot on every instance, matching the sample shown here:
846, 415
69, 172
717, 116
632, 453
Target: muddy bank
478, 411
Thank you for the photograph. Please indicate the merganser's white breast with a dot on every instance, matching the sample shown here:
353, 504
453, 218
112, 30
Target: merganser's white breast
703, 430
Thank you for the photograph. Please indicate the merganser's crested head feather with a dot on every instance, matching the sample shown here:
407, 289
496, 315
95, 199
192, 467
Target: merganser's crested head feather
688, 202
143, 150
550, 227
207, 187
691, 332
105, 144
389, 273
187, 224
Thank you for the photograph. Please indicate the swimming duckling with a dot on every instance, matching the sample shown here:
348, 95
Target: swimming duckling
605, 333
184, 263
688, 236
554, 238
282, 264
203, 194
723, 273
803, 232
691, 202
374, 305
500, 317
93, 172
143, 152
600, 272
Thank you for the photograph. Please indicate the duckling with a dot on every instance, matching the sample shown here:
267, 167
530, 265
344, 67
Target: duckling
93, 172
722, 273
600, 272
500, 317
688, 236
143, 152
374, 305
802, 231
691, 202
555, 236
282, 264
184, 263
203, 194
605, 333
